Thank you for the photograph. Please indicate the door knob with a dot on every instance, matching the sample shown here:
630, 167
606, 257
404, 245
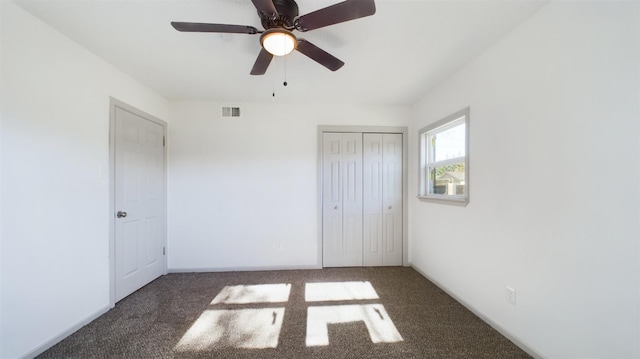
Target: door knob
336, 207
121, 214
389, 207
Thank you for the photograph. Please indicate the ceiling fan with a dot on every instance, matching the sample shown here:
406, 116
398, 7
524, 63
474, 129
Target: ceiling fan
279, 19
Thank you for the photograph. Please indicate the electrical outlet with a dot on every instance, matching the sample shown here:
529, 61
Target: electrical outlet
511, 295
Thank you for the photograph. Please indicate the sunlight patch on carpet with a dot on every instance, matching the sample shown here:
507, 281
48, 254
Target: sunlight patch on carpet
333, 291
381, 328
238, 328
259, 293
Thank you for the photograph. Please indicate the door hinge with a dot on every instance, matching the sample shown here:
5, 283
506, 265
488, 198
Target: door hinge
164, 141
164, 251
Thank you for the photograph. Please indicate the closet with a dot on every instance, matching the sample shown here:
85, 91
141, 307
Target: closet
362, 199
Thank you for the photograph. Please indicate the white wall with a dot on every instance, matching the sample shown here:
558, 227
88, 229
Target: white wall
553, 213
243, 191
54, 186
554, 183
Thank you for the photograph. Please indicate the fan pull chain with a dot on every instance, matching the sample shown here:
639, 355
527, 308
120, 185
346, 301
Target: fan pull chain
284, 83
273, 85
285, 70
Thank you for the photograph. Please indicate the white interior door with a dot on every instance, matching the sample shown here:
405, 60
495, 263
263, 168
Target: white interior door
373, 217
382, 187
392, 199
342, 199
139, 202
362, 205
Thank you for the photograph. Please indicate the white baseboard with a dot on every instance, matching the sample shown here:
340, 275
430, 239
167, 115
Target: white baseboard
240, 269
56, 339
513, 338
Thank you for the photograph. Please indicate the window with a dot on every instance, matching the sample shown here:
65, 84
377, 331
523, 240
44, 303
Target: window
444, 159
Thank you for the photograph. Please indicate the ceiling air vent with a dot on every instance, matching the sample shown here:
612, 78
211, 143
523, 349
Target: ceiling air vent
230, 111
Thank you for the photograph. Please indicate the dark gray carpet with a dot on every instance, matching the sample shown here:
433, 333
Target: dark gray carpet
151, 322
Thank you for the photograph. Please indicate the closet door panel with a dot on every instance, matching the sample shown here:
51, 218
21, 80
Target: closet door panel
342, 199
352, 200
392, 199
331, 198
372, 199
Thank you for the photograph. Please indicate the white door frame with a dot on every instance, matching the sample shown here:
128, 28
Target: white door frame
115, 103
405, 184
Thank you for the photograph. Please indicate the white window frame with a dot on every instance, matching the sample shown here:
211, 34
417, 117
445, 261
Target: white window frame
427, 160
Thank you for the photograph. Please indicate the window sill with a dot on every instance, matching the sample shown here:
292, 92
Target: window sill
456, 201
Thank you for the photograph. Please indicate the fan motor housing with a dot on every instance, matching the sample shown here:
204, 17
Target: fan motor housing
287, 12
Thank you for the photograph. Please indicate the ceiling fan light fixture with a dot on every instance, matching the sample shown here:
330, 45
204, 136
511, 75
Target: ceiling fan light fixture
278, 42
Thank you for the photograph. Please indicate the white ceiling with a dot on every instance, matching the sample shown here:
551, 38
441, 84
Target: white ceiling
392, 57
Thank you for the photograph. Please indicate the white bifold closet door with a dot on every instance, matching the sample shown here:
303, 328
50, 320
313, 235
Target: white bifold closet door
342, 200
361, 199
382, 197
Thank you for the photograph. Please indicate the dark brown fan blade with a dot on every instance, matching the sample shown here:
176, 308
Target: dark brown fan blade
262, 63
265, 6
201, 27
334, 14
319, 55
